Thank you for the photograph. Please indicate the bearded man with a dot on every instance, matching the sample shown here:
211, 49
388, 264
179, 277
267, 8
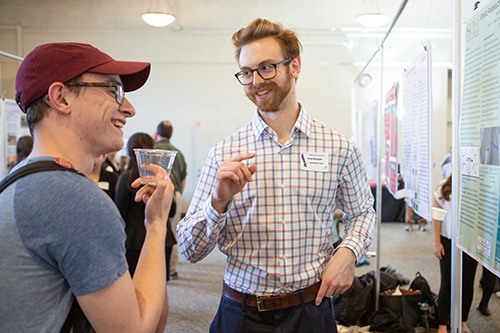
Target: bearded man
267, 197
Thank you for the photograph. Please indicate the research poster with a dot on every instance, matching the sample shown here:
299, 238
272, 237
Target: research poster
479, 233
15, 127
371, 139
416, 128
391, 139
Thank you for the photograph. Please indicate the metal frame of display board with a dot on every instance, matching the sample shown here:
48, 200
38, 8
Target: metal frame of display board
379, 147
456, 97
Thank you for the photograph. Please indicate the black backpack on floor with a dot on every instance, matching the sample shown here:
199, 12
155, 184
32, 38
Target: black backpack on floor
420, 283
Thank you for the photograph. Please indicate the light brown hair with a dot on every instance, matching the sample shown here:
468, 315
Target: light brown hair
262, 28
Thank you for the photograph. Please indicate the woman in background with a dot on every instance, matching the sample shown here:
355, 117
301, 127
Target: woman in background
133, 213
442, 250
105, 180
24, 146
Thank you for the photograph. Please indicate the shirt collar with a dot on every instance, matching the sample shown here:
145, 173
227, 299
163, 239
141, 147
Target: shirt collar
164, 140
303, 123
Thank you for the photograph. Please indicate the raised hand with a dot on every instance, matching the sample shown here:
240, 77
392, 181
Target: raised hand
157, 198
232, 176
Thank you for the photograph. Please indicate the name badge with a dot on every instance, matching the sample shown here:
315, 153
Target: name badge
314, 161
103, 185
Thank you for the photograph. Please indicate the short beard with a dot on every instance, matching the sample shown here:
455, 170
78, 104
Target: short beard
272, 103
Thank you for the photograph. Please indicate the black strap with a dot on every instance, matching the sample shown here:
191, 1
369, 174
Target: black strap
34, 167
75, 314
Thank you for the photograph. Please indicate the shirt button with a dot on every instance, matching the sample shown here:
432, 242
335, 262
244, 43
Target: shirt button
283, 221
283, 186
284, 256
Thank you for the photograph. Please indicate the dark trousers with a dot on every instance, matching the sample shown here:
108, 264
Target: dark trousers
235, 317
488, 282
469, 266
133, 259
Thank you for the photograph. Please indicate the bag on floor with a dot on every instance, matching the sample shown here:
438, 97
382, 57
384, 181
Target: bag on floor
420, 283
406, 306
350, 306
385, 321
389, 278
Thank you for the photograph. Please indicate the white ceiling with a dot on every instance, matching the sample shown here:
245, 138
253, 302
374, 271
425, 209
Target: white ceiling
320, 23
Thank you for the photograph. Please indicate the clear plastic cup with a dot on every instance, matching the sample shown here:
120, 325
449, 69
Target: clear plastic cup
159, 157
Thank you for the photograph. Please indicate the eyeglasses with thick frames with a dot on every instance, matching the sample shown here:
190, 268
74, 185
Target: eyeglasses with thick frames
119, 93
265, 71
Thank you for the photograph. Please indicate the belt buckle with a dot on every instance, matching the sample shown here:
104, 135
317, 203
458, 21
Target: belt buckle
259, 298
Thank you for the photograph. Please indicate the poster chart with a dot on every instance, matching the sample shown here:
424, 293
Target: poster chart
371, 154
416, 128
479, 227
14, 127
391, 139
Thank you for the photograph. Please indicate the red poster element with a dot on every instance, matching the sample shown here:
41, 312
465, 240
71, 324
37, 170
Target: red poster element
391, 140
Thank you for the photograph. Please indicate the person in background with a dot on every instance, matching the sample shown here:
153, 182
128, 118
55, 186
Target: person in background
442, 250
132, 211
105, 180
110, 164
410, 217
179, 170
446, 165
24, 147
64, 237
488, 282
267, 197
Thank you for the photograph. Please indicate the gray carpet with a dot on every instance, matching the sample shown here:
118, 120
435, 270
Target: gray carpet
194, 297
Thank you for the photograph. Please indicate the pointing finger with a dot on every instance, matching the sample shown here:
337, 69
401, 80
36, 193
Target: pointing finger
242, 157
321, 293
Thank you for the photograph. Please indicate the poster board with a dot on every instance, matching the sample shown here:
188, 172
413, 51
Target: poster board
479, 226
371, 123
391, 139
13, 127
3, 142
417, 134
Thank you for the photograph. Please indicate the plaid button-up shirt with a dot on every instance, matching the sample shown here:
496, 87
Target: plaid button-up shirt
277, 232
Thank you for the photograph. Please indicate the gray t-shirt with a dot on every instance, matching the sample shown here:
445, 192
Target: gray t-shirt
59, 235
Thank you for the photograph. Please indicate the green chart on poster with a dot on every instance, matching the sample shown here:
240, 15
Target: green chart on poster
479, 229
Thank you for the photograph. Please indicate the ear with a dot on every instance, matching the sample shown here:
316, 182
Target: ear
58, 97
295, 67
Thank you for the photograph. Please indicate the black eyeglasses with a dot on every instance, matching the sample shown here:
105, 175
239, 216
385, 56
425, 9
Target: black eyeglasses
119, 93
265, 71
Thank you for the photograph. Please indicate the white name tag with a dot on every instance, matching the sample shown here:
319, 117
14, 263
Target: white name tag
103, 185
314, 161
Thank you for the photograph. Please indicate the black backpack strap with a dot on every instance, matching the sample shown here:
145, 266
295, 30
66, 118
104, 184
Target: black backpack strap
34, 167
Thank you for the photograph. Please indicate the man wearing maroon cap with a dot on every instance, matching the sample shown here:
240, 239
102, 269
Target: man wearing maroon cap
60, 235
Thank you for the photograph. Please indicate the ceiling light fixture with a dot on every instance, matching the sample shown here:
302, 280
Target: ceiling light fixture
371, 14
158, 13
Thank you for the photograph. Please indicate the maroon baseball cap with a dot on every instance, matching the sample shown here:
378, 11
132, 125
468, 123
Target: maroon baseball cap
61, 62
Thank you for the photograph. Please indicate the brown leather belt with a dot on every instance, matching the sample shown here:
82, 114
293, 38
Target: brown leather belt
273, 302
